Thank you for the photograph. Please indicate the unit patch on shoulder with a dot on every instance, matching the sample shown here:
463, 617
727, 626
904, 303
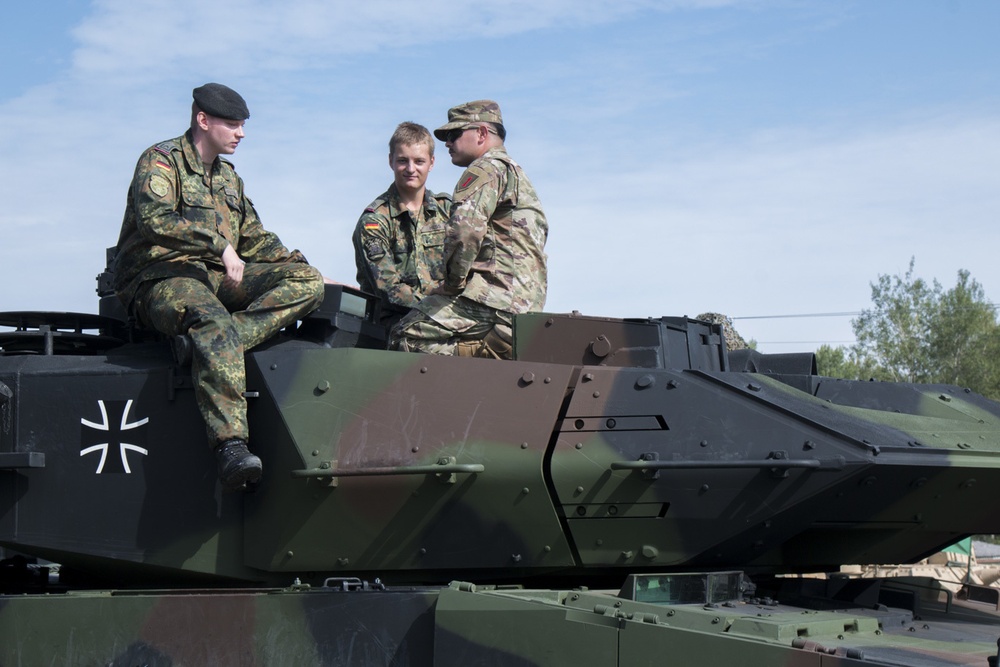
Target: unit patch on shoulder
473, 178
374, 251
159, 185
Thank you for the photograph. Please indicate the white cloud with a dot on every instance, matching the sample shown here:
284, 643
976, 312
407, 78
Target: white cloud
134, 39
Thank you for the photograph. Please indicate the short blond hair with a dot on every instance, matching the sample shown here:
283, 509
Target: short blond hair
409, 134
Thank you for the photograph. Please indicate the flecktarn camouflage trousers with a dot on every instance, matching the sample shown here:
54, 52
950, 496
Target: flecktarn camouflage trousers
223, 323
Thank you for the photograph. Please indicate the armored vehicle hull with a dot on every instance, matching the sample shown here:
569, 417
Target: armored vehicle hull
419, 509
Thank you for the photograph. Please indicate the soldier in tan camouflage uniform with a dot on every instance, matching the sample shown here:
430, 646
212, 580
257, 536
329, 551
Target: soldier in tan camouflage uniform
194, 262
399, 240
495, 262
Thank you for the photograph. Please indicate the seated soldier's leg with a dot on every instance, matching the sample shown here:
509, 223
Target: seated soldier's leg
271, 296
498, 343
178, 306
417, 332
450, 325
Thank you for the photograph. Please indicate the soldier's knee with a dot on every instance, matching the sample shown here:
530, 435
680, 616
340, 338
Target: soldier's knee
317, 285
314, 275
496, 345
303, 284
308, 274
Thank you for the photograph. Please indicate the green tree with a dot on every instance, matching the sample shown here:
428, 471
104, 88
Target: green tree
832, 362
920, 332
836, 362
843, 362
965, 340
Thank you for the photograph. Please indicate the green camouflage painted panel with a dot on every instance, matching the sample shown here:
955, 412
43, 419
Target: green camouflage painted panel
592, 490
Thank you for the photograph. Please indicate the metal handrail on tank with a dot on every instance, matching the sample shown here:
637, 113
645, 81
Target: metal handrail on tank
444, 466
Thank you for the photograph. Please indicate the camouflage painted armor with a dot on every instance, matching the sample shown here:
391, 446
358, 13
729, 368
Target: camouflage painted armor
496, 262
400, 255
178, 221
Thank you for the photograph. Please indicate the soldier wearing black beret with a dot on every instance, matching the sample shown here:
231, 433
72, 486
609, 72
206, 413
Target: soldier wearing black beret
220, 101
195, 263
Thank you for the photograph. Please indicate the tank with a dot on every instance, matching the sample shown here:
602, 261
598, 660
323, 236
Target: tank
623, 492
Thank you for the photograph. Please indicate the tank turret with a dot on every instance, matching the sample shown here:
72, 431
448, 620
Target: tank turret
629, 453
607, 446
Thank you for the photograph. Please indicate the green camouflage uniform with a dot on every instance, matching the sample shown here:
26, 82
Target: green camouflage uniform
495, 261
169, 273
399, 254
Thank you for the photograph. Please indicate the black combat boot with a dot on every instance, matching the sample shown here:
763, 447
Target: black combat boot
237, 466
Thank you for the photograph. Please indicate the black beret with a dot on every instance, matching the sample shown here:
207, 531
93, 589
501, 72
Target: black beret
220, 101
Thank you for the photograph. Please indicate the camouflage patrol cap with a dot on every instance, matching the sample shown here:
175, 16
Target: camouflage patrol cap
480, 111
220, 101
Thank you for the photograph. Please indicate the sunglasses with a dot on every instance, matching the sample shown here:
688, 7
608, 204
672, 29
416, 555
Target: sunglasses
452, 135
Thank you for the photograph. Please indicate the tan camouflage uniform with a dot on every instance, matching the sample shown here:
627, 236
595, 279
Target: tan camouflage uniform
495, 261
178, 221
399, 253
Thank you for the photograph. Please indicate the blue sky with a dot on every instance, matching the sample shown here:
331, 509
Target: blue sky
750, 157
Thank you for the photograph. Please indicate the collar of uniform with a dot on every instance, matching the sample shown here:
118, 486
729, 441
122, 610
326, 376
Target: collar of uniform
191, 154
393, 201
430, 203
396, 209
493, 152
